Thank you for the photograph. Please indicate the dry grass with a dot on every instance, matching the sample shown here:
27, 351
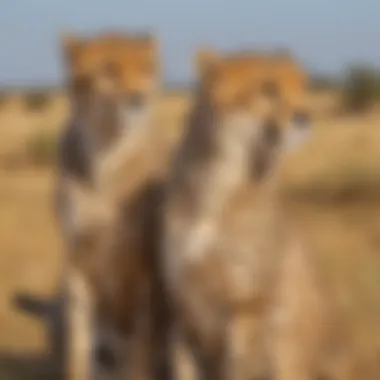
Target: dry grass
341, 163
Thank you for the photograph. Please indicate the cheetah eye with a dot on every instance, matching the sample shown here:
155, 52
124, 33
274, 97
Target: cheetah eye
109, 70
81, 83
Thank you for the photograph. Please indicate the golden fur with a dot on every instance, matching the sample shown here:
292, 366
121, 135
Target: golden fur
230, 245
113, 242
225, 151
118, 257
279, 75
112, 80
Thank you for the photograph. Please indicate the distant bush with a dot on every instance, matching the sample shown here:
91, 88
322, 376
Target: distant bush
323, 82
3, 98
36, 100
41, 148
361, 88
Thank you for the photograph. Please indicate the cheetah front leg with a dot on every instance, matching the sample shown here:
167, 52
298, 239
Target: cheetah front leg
79, 314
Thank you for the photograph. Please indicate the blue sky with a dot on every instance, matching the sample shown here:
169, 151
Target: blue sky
325, 34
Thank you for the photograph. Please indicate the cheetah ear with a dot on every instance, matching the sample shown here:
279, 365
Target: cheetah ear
206, 60
152, 38
283, 52
153, 44
70, 43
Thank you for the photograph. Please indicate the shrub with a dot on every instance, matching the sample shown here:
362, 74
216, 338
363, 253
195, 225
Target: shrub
41, 148
3, 98
322, 83
361, 88
36, 100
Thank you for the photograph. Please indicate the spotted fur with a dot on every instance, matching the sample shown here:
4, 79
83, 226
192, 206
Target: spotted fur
112, 82
227, 235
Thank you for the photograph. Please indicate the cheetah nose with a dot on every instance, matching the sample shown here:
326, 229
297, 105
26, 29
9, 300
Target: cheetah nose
301, 119
271, 132
135, 99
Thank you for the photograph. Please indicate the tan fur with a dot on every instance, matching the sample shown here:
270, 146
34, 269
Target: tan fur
80, 323
218, 155
119, 251
230, 245
280, 75
112, 80
278, 80
109, 76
